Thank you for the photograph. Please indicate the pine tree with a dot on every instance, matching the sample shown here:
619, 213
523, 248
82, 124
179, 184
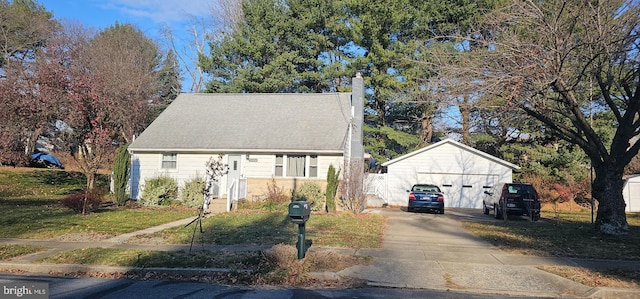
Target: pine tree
121, 175
332, 188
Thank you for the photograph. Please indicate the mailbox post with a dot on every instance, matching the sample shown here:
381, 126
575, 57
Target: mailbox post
299, 212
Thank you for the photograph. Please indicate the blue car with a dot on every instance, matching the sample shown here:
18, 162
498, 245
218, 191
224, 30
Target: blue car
44, 160
426, 197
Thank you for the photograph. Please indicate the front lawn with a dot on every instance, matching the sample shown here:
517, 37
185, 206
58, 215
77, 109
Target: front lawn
257, 227
567, 234
30, 203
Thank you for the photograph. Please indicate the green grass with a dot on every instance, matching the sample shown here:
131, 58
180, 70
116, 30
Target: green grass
30, 203
569, 235
255, 227
42, 185
11, 250
150, 258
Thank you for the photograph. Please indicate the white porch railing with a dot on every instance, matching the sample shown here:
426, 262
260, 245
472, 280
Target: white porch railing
237, 191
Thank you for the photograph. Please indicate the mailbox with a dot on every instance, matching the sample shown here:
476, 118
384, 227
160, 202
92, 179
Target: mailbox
299, 211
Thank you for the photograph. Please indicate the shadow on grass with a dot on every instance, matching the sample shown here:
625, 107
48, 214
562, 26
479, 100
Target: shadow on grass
248, 228
573, 237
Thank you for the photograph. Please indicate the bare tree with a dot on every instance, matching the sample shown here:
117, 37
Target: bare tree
128, 63
540, 57
200, 30
24, 30
352, 196
188, 50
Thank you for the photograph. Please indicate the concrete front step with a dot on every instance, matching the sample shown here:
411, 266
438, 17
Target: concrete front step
218, 205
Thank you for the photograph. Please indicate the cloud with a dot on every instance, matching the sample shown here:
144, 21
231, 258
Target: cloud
160, 11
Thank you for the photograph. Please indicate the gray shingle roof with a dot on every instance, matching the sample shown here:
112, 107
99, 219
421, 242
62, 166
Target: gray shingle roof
250, 123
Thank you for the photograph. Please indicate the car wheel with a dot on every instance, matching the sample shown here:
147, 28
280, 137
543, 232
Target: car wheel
485, 210
409, 209
442, 211
496, 212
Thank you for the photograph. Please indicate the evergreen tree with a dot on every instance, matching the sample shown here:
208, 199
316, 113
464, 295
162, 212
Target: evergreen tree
121, 175
170, 82
332, 188
280, 46
169, 78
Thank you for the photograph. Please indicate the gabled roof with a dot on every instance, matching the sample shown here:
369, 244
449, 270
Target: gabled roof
250, 123
454, 143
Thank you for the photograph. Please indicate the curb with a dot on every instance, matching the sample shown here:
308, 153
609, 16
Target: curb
76, 268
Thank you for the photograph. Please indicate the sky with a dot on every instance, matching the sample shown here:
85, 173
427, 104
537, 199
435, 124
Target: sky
150, 16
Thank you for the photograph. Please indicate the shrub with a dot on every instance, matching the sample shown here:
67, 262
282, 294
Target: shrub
77, 203
332, 189
191, 194
311, 192
157, 191
121, 175
276, 197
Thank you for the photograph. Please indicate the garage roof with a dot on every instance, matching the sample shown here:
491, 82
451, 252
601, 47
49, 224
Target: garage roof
457, 144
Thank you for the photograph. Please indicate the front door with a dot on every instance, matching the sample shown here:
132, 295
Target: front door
234, 169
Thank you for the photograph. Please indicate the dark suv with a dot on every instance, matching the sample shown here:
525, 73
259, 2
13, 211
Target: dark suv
512, 199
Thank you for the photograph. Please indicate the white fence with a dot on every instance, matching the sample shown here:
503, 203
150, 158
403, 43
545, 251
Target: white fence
376, 184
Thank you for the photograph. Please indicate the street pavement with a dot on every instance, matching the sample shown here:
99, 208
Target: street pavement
430, 253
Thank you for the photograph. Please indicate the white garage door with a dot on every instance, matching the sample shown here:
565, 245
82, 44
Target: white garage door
461, 190
633, 197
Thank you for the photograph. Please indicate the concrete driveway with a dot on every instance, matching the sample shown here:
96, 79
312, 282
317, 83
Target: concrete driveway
422, 250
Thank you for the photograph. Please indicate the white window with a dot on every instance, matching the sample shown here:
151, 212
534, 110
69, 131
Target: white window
169, 161
296, 166
279, 166
313, 166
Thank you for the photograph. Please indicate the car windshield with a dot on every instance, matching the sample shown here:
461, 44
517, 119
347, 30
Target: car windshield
425, 188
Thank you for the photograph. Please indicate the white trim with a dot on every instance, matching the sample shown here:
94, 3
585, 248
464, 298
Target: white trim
453, 142
220, 151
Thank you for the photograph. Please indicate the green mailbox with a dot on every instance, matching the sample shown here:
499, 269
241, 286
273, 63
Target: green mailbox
299, 211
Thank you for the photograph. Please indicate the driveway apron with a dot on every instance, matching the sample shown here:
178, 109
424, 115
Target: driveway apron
434, 251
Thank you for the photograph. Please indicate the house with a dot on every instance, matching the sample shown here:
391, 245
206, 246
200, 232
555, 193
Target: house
462, 172
631, 193
290, 138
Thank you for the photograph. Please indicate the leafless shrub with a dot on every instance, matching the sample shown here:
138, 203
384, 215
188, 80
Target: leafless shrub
286, 268
352, 197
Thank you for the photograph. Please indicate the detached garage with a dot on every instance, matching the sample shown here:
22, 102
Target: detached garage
462, 172
631, 193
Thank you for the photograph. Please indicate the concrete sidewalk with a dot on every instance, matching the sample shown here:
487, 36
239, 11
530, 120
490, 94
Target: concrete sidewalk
423, 251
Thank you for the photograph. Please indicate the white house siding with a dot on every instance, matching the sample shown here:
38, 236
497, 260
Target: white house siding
147, 166
631, 194
462, 174
325, 161
192, 165
259, 166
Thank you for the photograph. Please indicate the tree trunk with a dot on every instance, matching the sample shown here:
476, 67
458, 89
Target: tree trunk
91, 178
30, 146
465, 112
426, 124
607, 189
